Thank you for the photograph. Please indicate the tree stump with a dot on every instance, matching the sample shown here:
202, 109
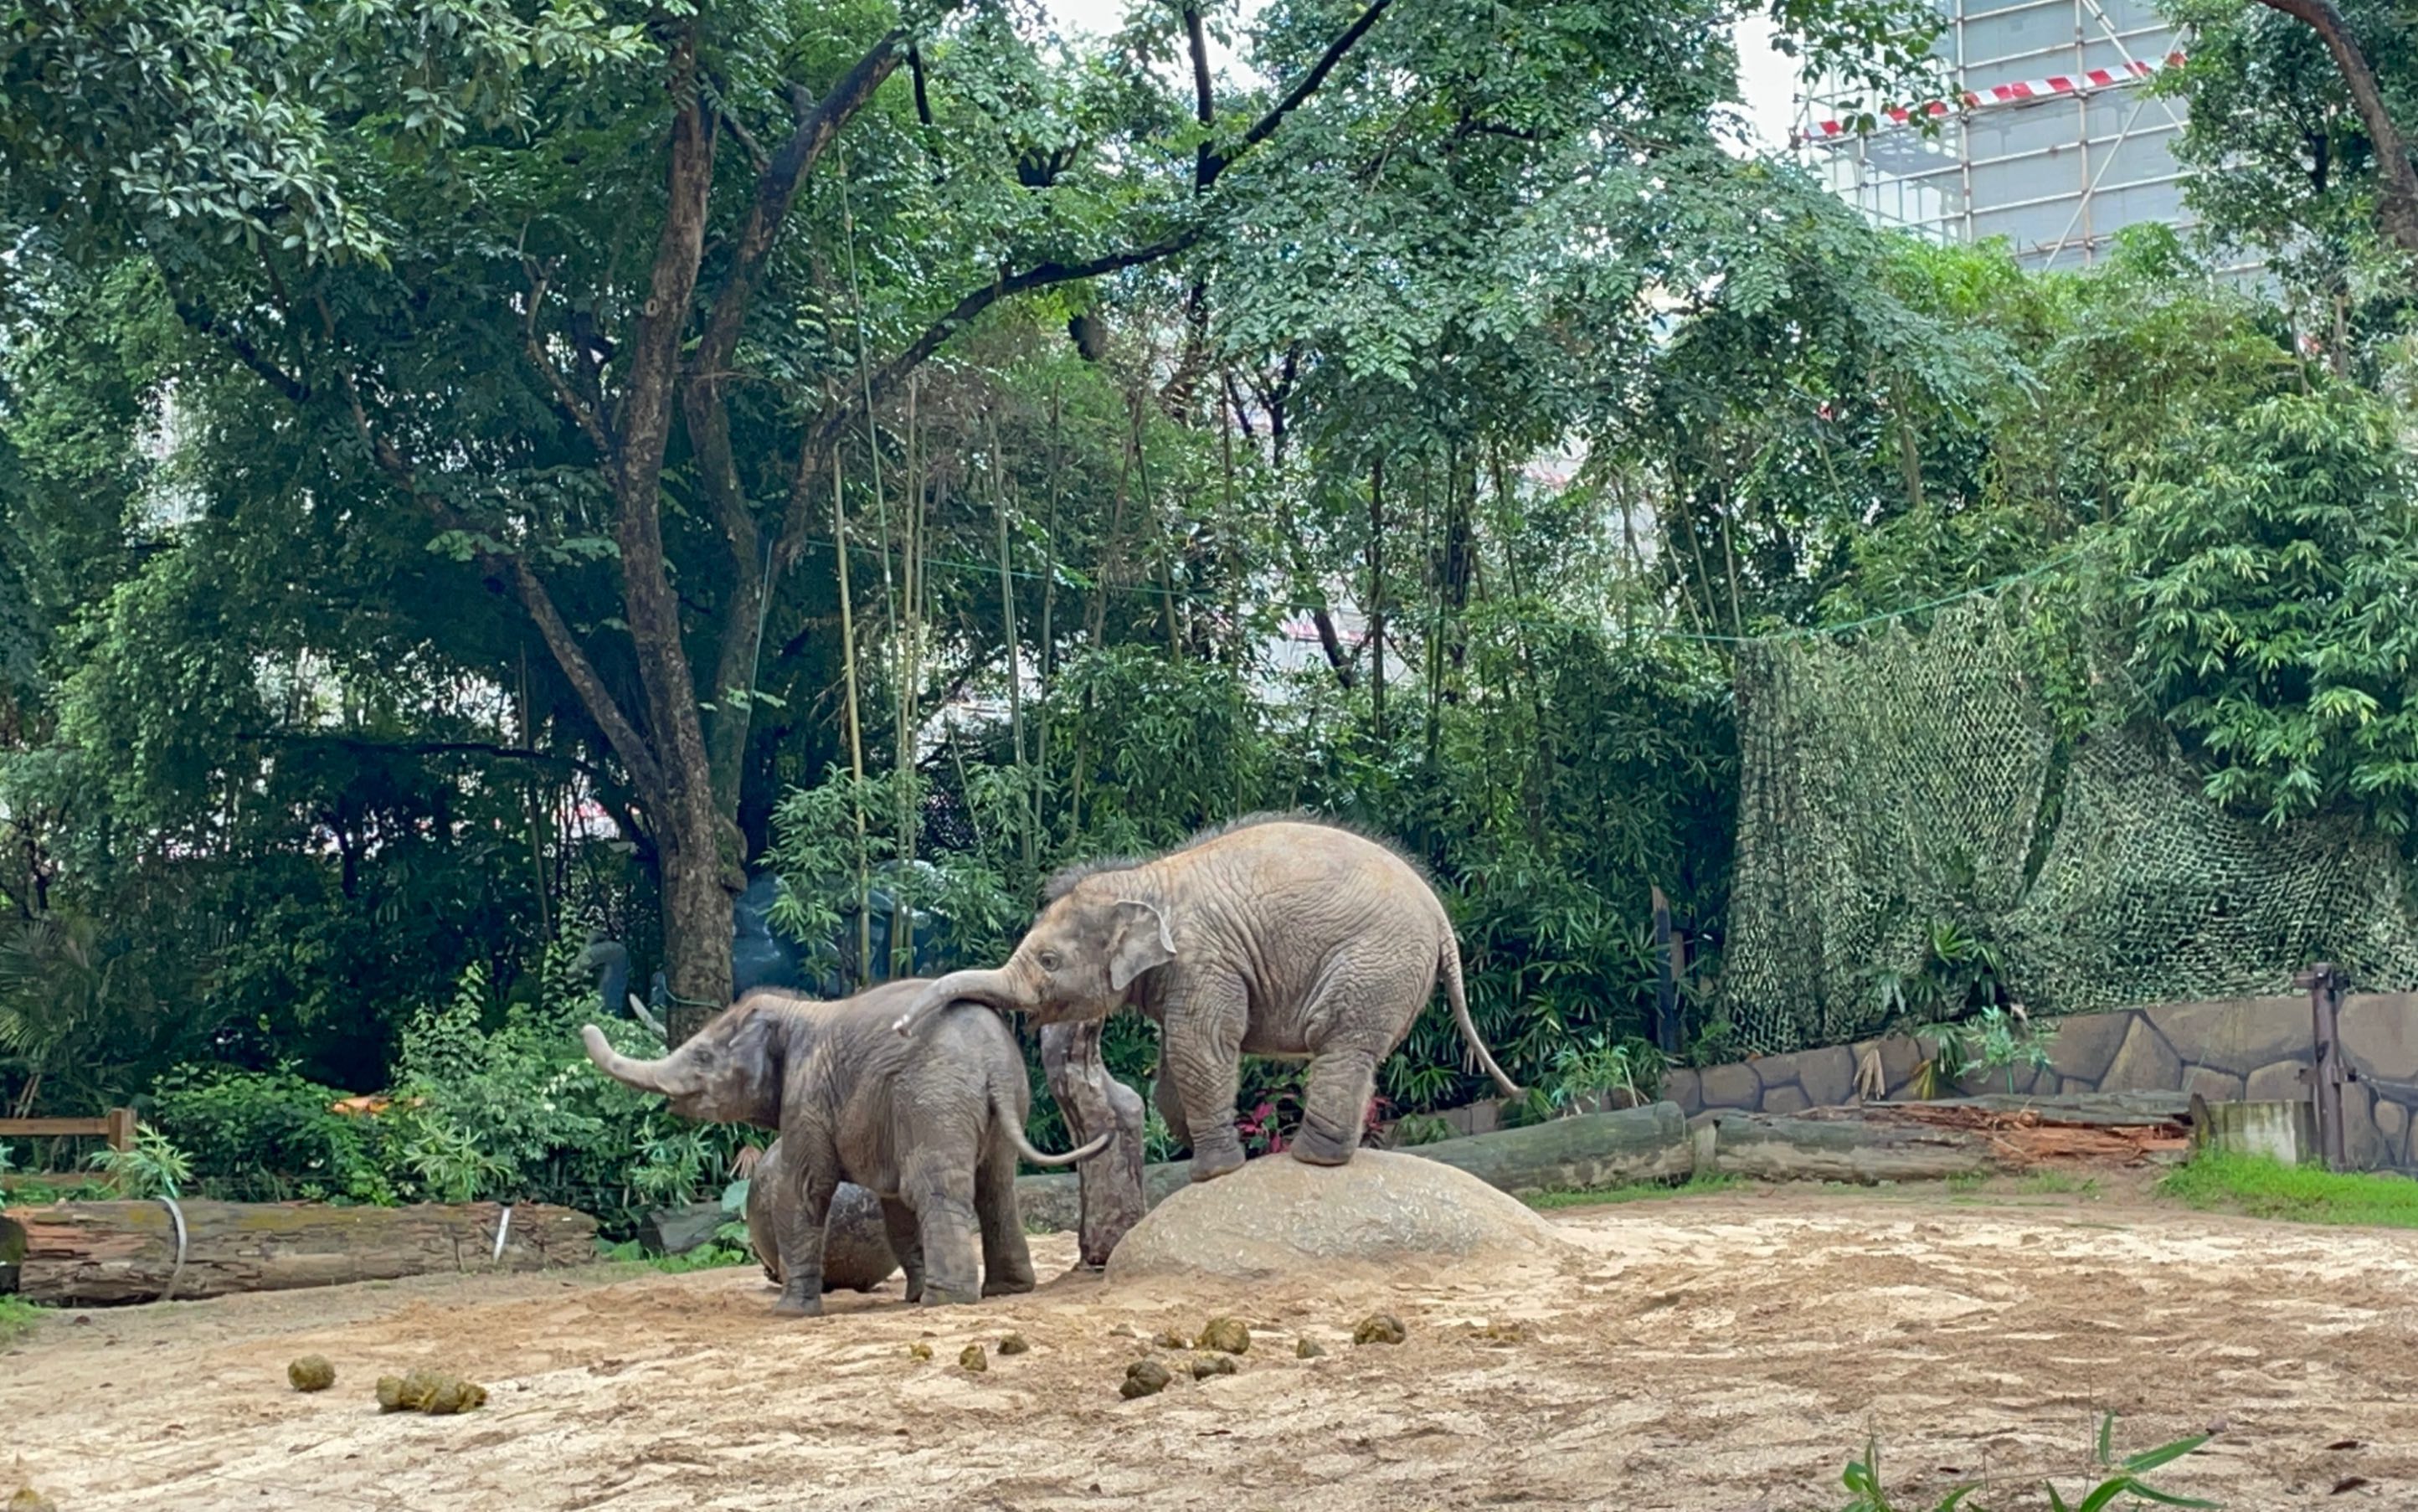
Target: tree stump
2281, 1131
1094, 1102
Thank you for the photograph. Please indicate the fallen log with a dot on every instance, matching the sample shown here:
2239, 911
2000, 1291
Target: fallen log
119, 1252
1592, 1150
1764, 1148
2126, 1110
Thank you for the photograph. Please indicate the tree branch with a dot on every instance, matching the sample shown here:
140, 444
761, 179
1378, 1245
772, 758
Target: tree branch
884, 380
482, 748
1205, 103
1299, 94
199, 318
565, 397
2397, 201
776, 190
585, 681
923, 98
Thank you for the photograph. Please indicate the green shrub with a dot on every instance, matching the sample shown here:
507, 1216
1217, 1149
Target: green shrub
17, 1318
491, 1102
270, 1135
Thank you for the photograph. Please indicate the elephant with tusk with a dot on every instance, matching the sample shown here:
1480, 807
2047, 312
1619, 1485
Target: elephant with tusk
1277, 935
932, 1129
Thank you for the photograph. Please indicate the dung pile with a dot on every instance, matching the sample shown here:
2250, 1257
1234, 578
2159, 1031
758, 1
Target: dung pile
1278, 1216
436, 1392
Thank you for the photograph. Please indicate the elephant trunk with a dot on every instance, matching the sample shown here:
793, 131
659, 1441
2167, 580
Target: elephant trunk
672, 1076
993, 989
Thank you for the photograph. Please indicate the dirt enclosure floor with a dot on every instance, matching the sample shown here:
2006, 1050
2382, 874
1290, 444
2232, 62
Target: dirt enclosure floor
1725, 1352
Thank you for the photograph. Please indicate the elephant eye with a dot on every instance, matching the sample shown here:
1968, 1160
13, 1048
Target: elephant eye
1049, 960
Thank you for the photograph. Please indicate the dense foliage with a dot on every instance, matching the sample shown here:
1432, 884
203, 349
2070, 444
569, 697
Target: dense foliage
571, 459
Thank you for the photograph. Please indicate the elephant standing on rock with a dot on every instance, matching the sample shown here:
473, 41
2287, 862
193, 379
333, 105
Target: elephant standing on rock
932, 1129
1275, 936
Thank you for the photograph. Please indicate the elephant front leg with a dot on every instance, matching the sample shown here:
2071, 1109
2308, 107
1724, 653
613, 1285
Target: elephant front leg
800, 1228
1202, 1051
906, 1241
1006, 1258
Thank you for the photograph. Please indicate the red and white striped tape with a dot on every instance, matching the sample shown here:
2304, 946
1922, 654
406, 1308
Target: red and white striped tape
2005, 94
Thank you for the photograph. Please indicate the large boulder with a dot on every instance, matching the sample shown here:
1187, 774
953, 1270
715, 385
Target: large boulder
1279, 1218
856, 1241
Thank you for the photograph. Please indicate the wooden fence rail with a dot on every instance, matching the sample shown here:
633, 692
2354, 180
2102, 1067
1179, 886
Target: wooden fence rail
117, 1127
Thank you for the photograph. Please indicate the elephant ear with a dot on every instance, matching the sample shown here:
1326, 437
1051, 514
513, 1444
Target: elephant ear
1141, 944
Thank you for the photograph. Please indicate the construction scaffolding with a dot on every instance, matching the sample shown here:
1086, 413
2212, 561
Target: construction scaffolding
2049, 136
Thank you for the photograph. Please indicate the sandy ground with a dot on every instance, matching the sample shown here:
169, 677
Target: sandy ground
1727, 1351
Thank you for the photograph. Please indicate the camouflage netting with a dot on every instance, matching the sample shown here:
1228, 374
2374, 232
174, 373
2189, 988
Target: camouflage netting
1914, 777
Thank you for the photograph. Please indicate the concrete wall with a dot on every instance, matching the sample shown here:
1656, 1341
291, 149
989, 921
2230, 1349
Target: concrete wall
2226, 1050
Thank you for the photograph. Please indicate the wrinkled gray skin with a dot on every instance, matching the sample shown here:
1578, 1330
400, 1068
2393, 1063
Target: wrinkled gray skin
932, 1128
1275, 936
856, 1240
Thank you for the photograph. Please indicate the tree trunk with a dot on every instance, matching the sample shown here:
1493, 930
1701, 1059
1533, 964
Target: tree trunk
114, 1252
1110, 1183
698, 922
2396, 191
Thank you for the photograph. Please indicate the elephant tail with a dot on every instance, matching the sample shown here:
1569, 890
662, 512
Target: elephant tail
1449, 960
1005, 1107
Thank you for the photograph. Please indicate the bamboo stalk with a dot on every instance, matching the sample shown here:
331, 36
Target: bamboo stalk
911, 510
855, 729
537, 843
1007, 620
1048, 603
1377, 595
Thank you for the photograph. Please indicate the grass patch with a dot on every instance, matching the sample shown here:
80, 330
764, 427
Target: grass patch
2061, 1183
1593, 1196
18, 1318
2262, 1188
706, 1257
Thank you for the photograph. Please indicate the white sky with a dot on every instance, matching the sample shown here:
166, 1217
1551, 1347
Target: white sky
1766, 79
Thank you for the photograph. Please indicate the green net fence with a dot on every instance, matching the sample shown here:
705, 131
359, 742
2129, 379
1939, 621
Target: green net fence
1912, 778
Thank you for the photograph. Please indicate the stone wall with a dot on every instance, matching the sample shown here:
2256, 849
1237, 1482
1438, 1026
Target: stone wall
2259, 1048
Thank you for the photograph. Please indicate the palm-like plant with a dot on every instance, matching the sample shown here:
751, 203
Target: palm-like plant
60, 990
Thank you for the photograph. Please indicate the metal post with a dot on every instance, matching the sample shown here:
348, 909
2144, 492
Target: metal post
2325, 988
1666, 986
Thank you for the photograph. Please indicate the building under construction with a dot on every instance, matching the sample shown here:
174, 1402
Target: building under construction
2049, 136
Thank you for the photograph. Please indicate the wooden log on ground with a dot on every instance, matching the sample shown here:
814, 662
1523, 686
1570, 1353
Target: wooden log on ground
1592, 1150
2125, 1110
1760, 1146
119, 1252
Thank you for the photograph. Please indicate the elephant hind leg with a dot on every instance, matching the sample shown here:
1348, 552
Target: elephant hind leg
1007, 1259
906, 1241
1335, 1107
941, 1191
